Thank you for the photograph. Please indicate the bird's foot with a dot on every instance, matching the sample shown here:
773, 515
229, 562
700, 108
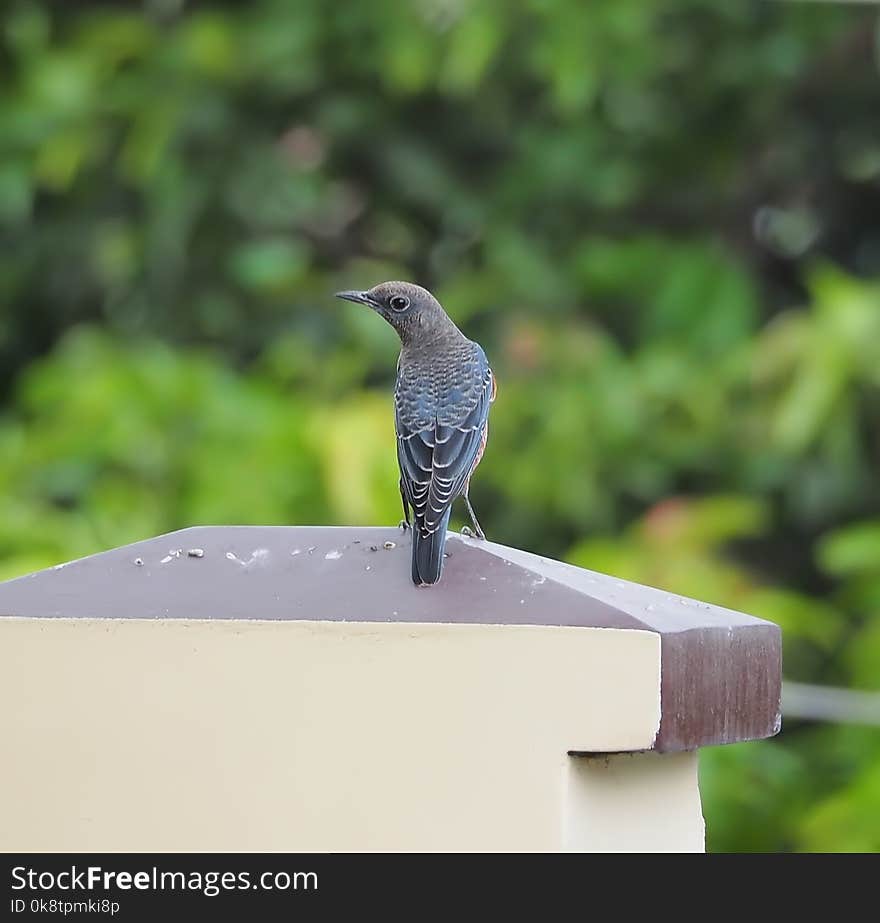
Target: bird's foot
403, 525
468, 532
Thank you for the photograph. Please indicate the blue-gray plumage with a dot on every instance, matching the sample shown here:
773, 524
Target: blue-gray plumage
441, 410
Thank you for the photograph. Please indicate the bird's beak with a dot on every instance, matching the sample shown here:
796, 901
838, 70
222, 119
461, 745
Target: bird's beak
358, 298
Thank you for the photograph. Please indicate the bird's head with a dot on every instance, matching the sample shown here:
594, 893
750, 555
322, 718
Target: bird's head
409, 308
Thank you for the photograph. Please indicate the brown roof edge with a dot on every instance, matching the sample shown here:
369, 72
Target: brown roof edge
719, 686
721, 669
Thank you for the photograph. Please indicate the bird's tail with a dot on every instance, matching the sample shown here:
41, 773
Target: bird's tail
427, 553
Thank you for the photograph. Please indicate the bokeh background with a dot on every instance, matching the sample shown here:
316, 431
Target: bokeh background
661, 220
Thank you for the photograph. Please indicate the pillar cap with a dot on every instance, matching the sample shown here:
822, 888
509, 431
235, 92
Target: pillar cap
720, 669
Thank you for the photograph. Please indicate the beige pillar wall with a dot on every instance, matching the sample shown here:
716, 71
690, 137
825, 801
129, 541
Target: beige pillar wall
256, 735
633, 802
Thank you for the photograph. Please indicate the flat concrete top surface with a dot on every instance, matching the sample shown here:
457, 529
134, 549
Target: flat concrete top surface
721, 674
343, 573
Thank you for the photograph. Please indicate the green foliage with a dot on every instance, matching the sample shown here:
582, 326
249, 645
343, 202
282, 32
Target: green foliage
112, 442
659, 219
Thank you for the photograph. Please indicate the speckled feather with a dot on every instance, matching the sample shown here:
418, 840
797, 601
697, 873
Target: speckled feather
441, 402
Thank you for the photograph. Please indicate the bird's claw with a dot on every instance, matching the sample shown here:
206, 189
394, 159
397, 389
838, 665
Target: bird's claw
403, 525
468, 532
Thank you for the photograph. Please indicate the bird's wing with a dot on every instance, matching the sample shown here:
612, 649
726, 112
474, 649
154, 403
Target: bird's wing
436, 462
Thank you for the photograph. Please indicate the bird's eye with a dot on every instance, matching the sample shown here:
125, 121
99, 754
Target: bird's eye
399, 303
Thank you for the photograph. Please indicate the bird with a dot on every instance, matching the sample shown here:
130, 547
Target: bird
442, 395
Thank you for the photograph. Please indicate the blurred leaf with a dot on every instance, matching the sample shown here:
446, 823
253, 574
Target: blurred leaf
473, 43
269, 265
851, 550
847, 821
